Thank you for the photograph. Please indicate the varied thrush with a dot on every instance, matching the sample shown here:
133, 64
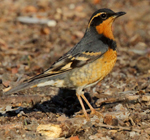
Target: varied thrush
87, 63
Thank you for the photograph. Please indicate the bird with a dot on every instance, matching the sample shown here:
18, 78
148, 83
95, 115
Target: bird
84, 65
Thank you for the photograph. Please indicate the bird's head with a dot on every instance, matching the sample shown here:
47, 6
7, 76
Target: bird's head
102, 21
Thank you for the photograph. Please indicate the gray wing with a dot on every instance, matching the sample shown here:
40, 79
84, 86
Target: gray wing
86, 51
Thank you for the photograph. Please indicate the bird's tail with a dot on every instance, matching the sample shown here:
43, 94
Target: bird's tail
38, 82
17, 88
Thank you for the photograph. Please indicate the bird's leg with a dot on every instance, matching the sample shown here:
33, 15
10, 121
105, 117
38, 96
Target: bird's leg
79, 92
93, 111
83, 108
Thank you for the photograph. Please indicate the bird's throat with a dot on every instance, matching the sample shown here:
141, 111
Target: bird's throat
106, 29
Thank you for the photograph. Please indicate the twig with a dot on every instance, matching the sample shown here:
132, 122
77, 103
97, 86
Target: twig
120, 128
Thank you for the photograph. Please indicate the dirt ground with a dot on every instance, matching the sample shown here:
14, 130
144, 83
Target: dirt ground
35, 33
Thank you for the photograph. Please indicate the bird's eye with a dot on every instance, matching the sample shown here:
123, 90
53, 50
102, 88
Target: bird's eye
104, 16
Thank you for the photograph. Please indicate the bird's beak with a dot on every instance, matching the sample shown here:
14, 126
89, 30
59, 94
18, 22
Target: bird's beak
118, 14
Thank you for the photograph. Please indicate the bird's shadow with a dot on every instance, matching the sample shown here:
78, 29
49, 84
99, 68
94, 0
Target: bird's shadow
65, 102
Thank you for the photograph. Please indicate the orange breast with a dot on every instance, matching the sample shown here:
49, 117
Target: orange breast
94, 71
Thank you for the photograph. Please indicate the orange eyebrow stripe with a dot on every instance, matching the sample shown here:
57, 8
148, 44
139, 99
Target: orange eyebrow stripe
93, 18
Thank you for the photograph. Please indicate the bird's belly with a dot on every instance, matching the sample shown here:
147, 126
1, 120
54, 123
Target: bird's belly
95, 71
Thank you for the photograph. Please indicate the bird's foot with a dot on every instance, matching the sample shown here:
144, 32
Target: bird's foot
81, 114
94, 112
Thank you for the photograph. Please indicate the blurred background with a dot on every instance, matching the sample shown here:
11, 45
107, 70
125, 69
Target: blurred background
35, 33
